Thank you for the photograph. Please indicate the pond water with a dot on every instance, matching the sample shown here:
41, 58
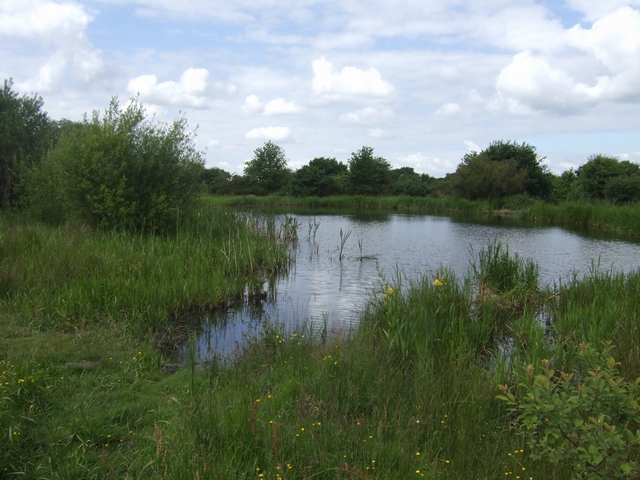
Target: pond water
324, 289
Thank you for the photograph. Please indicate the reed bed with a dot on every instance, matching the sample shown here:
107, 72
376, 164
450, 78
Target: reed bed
75, 275
623, 219
424, 204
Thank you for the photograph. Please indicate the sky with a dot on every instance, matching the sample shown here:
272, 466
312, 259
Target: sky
422, 82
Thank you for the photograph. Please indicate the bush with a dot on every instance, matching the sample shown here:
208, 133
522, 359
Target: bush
589, 419
119, 171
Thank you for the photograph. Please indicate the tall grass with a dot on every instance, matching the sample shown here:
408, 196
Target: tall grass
74, 275
425, 204
623, 219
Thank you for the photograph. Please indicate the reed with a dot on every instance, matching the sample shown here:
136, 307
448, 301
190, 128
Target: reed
76, 275
424, 204
623, 219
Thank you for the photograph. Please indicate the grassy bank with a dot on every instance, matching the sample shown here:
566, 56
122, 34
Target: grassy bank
624, 219
410, 394
425, 204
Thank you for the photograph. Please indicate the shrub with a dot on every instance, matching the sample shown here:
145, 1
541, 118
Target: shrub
589, 419
119, 171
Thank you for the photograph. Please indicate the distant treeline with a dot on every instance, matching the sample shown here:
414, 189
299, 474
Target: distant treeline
502, 170
120, 169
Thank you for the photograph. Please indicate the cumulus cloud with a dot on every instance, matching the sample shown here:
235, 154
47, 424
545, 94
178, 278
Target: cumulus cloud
62, 29
533, 82
449, 110
280, 106
189, 91
348, 82
251, 105
269, 133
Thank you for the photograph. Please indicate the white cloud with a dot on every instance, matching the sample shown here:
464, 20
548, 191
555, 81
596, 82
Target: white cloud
449, 73
189, 91
61, 30
213, 143
280, 106
366, 115
269, 133
532, 82
377, 133
613, 39
449, 110
427, 163
471, 146
594, 9
348, 82
251, 105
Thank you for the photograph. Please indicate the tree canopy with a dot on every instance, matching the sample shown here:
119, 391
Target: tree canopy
25, 134
603, 177
505, 168
321, 177
368, 174
267, 171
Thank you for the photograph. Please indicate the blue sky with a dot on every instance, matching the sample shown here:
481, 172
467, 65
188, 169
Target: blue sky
422, 82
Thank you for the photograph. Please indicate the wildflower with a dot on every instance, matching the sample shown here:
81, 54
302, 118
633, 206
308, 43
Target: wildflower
389, 291
437, 282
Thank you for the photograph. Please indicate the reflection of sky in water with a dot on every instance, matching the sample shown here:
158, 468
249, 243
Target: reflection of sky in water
319, 287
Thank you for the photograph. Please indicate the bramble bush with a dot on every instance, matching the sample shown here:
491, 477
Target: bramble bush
589, 419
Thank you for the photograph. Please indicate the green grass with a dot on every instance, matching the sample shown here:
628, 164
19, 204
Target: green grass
410, 394
623, 219
423, 204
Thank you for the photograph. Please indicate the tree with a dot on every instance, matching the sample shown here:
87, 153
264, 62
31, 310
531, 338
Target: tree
267, 171
119, 170
563, 184
593, 177
405, 181
538, 181
368, 175
319, 178
215, 179
479, 177
25, 135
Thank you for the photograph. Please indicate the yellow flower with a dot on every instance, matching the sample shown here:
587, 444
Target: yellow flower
437, 282
389, 291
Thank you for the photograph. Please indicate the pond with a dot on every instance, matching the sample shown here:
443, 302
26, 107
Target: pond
327, 286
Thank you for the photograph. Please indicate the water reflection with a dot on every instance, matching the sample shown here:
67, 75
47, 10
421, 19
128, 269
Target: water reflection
321, 288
